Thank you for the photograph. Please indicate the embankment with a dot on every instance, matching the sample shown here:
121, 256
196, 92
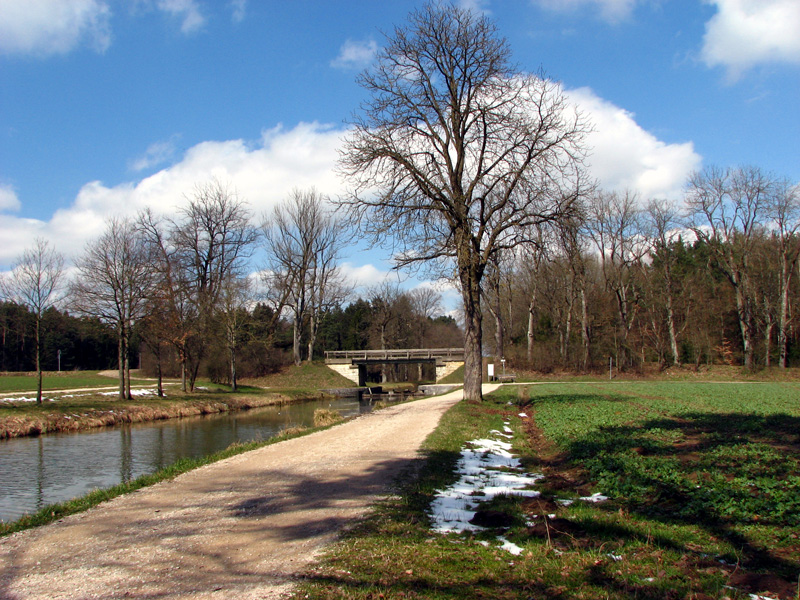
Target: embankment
55, 418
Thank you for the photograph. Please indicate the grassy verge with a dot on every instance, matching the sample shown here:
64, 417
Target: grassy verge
704, 486
54, 512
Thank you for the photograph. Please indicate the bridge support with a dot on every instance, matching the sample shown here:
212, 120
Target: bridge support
444, 369
352, 364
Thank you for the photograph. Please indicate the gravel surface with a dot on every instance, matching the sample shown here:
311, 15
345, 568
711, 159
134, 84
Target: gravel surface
240, 528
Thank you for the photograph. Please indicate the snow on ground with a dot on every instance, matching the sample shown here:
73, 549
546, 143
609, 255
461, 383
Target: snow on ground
487, 469
134, 392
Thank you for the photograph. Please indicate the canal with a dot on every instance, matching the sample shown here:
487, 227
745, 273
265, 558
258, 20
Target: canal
37, 471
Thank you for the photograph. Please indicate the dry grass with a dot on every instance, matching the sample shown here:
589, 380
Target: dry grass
324, 417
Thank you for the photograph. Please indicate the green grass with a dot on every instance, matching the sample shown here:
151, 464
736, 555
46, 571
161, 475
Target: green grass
26, 382
704, 480
308, 377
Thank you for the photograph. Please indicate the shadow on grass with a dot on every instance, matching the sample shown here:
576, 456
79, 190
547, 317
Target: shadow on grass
719, 472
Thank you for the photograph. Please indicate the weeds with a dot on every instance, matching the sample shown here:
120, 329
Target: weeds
324, 417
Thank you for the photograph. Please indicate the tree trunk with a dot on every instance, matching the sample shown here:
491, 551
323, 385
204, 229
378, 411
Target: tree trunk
783, 325
121, 361
159, 375
673, 338
312, 334
531, 322
38, 360
128, 394
743, 312
473, 323
233, 367
296, 339
585, 328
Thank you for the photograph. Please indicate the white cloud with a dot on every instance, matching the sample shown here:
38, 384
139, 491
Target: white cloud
263, 174
46, 27
744, 33
355, 54
476, 6
238, 10
8, 199
188, 11
364, 276
156, 154
610, 10
625, 156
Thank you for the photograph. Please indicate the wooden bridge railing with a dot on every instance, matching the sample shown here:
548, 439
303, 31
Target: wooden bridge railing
441, 354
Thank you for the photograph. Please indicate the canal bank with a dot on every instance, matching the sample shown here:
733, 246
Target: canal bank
70, 413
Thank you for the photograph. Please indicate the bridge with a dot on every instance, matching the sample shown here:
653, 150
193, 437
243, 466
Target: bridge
353, 363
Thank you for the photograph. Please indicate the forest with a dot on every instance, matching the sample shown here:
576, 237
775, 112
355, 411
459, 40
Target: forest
712, 279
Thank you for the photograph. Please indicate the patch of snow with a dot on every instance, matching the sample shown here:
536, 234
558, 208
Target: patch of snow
596, 497
510, 546
487, 469
19, 399
523, 415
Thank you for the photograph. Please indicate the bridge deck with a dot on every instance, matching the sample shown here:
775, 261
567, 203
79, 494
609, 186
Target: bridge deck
396, 355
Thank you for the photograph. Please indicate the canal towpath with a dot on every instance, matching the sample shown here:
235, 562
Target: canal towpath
242, 528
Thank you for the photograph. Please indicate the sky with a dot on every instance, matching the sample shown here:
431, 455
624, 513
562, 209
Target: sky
111, 106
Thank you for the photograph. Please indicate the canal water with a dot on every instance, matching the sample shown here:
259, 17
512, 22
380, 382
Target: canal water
37, 471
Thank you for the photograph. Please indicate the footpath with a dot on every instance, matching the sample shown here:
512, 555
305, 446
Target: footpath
240, 528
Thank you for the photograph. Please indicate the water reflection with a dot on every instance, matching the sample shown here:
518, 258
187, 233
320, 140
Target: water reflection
37, 471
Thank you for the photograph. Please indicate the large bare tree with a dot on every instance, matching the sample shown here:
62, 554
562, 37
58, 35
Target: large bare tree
726, 208
114, 281
212, 238
456, 155
304, 243
194, 257
35, 282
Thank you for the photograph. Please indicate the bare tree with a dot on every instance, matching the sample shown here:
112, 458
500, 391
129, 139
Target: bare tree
35, 282
236, 296
663, 221
615, 225
172, 316
114, 281
304, 243
426, 303
725, 212
457, 155
784, 212
211, 240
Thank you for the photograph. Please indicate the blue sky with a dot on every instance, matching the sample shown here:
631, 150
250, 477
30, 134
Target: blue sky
109, 106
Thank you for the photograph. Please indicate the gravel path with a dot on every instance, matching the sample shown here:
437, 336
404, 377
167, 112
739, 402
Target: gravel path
241, 528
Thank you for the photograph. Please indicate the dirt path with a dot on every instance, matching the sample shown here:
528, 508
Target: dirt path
240, 528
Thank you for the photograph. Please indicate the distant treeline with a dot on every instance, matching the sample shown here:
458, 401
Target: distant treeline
84, 343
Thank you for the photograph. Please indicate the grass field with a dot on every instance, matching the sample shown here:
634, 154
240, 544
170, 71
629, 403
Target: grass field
26, 382
704, 488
